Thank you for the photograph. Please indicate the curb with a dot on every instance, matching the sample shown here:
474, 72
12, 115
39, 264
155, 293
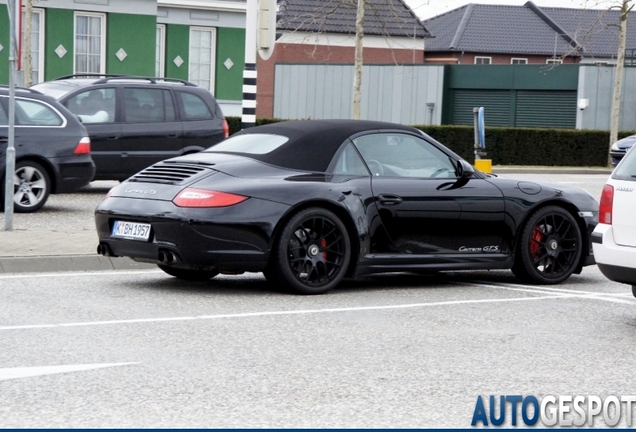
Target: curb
61, 263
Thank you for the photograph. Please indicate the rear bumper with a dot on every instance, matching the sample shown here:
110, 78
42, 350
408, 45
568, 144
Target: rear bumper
616, 262
617, 156
232, 239
73, 176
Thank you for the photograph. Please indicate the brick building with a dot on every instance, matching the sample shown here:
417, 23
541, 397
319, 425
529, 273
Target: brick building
322, 32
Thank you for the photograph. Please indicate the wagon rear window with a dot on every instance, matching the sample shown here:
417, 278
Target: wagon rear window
250, 144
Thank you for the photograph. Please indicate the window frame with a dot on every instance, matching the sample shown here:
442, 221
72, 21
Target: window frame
553, 61
102, 42
518, 60
212, 76
160, 49
40, 47
482, 58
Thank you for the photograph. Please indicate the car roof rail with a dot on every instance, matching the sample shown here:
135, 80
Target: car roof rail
152, 80
30, 90
89, 75
107, 77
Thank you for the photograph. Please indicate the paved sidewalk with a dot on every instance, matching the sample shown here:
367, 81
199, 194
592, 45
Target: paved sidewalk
41, 250
26, 251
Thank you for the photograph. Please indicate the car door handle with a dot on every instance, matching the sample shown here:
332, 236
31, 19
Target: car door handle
172, 135
114, 137
388, 200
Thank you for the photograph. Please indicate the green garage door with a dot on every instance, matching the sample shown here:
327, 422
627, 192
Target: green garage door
534, 109
546, 109
496, 105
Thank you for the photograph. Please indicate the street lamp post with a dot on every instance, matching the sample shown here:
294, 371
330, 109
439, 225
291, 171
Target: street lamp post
13, 8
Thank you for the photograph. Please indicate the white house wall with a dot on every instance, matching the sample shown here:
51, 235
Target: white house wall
137, 7
198, 17
596, 89
389, 93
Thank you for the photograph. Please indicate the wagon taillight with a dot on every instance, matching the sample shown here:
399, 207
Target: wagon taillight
83, 146
605, 207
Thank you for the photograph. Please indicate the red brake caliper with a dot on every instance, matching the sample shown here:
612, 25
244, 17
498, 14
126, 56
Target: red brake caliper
323, 243
535, 245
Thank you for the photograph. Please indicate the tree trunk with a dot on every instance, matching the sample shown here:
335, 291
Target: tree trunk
357, 74
618, 79
28, 20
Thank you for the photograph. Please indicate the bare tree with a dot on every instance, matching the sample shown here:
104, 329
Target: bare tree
28, 21
625, 8
357, 74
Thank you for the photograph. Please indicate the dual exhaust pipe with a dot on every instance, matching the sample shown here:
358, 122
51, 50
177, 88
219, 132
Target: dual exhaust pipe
167, 257
164, 256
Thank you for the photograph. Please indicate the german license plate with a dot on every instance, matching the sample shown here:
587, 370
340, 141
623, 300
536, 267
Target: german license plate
131, 230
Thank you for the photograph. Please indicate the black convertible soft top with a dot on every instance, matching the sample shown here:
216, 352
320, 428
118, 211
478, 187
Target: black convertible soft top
312, 143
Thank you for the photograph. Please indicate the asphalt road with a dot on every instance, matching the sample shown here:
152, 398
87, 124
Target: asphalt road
142, 349
383, 352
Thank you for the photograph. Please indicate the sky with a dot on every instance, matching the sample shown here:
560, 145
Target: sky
428, 8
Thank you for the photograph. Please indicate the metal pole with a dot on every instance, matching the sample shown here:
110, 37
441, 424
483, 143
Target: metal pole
249, 73
10, 155
476, 123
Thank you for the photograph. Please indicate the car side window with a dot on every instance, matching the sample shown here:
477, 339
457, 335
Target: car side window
94, 106
349, 163
36, 113
144, 105
403, 155
626, 170
194, 107
4, 118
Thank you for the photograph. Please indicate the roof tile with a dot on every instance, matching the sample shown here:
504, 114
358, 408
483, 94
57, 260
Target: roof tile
382, 17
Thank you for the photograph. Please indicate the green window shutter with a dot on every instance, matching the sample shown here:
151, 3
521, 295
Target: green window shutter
496, 105
546, 109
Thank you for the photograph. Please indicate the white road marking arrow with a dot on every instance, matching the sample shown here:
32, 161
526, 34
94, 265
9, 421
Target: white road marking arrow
23, 372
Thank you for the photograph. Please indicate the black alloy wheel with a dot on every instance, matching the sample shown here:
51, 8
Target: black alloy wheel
311, 254
188, 275
32, 187
550, 248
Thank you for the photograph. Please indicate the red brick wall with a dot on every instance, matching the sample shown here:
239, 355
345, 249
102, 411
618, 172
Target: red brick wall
469, 58
297, 53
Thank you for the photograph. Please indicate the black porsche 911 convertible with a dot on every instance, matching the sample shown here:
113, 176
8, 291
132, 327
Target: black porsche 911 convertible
311, 202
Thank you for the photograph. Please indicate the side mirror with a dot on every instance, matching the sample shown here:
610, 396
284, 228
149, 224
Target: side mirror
464, 169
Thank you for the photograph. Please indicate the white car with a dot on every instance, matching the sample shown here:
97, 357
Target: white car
614, 238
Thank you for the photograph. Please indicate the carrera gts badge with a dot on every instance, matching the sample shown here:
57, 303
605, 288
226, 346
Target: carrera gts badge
481, 249
142, 191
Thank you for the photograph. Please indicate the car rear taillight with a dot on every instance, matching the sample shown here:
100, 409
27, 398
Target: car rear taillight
226, 129
192, 197
607, 202
83, 146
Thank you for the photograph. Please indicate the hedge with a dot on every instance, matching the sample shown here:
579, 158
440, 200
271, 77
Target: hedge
515, 146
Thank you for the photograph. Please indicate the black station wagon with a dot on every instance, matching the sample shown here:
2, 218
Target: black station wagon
134, 122
52, 149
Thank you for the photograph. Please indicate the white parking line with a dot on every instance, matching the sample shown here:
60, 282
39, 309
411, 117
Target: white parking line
23, 372
282, 313
609, 297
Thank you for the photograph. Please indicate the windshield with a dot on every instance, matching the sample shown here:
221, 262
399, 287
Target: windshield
250, 144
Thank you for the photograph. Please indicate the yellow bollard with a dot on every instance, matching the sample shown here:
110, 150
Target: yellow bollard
484, 165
